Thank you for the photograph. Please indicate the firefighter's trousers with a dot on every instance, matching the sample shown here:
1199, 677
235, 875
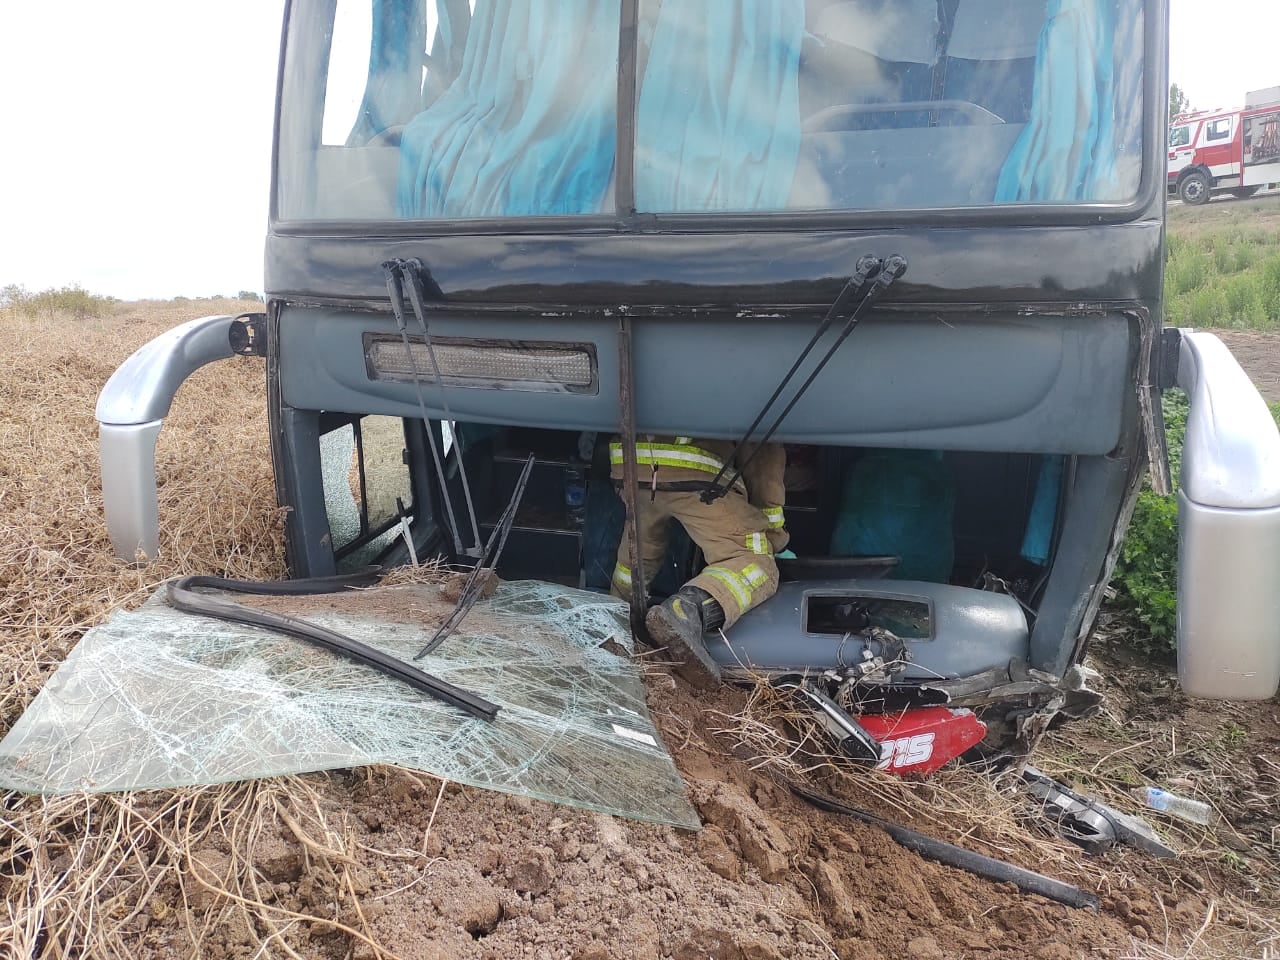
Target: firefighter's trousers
732, 534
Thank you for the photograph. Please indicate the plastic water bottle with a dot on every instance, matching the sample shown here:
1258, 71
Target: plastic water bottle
1176, 806
575, 496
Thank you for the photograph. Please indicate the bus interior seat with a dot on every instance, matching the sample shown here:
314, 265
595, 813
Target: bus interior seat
859, 54
993, 491
868, 52
991, 55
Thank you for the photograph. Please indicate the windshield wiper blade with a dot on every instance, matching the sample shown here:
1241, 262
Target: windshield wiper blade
473, 586
863, 272
395, 291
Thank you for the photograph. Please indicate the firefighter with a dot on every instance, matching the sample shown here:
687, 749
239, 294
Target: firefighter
738, 533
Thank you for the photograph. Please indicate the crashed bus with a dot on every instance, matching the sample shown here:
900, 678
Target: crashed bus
505, 232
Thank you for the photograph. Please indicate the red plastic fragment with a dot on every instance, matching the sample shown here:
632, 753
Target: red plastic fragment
918, 742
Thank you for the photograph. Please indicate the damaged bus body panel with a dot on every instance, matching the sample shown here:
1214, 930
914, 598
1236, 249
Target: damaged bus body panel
962, 470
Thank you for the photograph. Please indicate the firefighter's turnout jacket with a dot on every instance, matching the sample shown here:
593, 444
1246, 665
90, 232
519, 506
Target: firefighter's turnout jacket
738, 533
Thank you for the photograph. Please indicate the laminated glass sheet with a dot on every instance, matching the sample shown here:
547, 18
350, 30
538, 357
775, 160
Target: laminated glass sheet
159, 698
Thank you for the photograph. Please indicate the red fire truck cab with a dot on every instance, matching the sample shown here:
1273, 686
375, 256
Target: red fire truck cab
1219, 151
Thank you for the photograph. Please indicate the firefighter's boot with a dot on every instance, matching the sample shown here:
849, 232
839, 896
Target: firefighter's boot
679, 624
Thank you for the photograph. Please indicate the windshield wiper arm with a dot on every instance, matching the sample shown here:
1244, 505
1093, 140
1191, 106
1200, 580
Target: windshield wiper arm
871, 277
417, 276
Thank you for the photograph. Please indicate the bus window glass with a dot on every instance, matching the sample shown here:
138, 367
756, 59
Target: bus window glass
464, 109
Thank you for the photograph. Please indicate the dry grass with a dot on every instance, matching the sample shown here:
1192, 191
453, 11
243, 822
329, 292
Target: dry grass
56, 567
81, 876
90, 874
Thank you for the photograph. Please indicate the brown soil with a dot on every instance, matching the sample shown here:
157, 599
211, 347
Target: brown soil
330, 864
1259, 354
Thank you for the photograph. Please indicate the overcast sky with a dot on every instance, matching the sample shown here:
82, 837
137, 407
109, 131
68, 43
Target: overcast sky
135, 135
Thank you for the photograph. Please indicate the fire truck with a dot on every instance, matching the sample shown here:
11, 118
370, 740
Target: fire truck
1221, 151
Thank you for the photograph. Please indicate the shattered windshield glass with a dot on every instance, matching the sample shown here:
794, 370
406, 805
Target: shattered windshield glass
158, 698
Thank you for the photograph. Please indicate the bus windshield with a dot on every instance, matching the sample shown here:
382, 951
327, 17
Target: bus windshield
463, 109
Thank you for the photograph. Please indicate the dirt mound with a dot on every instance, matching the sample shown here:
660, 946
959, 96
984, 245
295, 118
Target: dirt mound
381, 862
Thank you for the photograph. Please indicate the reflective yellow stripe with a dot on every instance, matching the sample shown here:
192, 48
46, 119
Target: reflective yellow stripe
740, 590
622, 575
758, 544
774, 516
669, 455
684, 441
754, 575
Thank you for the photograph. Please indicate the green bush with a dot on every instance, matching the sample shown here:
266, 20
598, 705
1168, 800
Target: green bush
1187, 271
1223, 274
1147, 572
1206, 307
73, 300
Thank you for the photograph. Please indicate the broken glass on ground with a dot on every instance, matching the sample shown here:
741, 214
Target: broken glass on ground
159, 698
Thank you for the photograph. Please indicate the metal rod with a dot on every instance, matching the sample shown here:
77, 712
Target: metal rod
630, 476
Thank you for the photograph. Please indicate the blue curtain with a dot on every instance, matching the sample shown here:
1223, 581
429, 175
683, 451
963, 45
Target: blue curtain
393, 91
718, 120
528, 126
1038, 537
1069, 150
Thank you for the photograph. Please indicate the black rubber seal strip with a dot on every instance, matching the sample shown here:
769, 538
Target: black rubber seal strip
181, 595
953, 856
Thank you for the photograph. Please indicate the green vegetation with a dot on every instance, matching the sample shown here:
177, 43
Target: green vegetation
1147, 573
1178, 101
73, 300
1223, 266
1223, 270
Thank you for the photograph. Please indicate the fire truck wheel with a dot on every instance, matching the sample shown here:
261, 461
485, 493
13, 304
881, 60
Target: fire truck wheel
1244, 193
1194, 188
